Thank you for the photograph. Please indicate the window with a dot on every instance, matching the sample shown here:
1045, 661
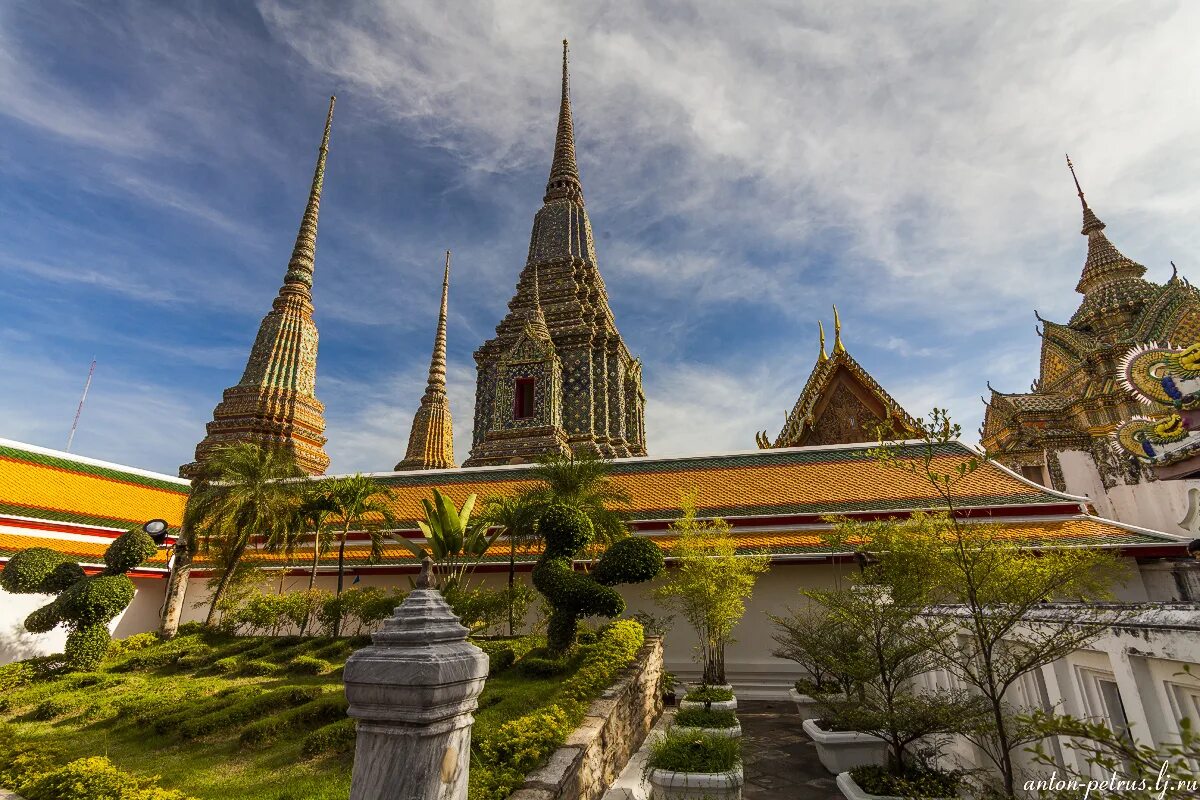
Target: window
1032, 472
523, 398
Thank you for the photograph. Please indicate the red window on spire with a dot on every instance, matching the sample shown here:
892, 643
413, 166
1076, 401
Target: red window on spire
523, 398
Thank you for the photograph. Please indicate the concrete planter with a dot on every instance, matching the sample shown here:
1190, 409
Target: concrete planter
852, 791
730, 733
716, 705
840, 751
667, 785
806, 705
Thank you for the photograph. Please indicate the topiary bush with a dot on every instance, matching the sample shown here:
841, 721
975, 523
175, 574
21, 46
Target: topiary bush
573, 595
337, 737
258, 669
308, 665
319, 712
234, 715
84, 604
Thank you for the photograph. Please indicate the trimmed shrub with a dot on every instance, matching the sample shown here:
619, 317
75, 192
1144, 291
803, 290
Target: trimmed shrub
258, 669
711, 694
131, 644
337, 737
15, 675
234, 715
86, 646
94, 778
30, 571
573, 595
616, 646
699, 718
307, 665
692, 750
52, 708
130, 549
520, 745
227, 664
322, 711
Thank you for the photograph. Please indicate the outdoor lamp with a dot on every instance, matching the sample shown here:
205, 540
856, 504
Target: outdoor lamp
157, 528
1194, 549
864, 560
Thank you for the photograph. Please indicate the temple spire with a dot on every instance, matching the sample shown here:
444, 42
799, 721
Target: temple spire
564, 173
299, 276
275, 404
838, 347
537, 319
431, 440
1090, 221
823, 356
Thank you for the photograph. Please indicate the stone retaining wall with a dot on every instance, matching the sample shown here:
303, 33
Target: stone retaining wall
614, 728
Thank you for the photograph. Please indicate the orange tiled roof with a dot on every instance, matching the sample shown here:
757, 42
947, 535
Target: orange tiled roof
81, 550
60, 487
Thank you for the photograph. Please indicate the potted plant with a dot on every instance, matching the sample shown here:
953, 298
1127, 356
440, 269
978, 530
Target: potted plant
709, 584
720, 723
666, 684
887, 717
878, 783
688, 764
710, 698
807, 636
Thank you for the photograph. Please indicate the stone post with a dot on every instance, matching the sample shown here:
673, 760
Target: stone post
413, 692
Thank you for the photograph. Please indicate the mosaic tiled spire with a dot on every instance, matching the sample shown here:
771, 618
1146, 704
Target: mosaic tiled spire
1111, 283
431, 441
274, 404
601, 401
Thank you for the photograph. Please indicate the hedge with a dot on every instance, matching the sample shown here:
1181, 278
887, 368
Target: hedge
245, 710
337, 737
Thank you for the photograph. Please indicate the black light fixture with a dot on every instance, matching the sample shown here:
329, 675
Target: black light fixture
157, 530
1193, 549
864, 560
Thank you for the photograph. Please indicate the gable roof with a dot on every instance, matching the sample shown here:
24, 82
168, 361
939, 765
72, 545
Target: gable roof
830, 372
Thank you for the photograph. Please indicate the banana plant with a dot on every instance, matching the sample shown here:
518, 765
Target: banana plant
454, 542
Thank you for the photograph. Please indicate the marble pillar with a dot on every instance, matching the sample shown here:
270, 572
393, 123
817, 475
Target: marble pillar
413, 692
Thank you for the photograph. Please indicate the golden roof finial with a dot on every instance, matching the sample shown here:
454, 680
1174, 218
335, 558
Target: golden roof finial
299, 277
838, 347
823, 356
1090, 221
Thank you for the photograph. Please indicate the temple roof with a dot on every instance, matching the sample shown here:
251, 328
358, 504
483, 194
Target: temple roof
836, 382
78, 505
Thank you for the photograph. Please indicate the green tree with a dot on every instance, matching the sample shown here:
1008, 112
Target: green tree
359, 502
709, 584
991, 583
312, 516
244, 492
581, 480
516, 517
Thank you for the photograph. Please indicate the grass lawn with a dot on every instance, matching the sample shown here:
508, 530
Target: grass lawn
216, 716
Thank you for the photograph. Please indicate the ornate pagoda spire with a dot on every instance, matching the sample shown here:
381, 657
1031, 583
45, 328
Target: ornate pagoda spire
823, 357
1110, 281
431, 441
564, 173
274, 404
597, 403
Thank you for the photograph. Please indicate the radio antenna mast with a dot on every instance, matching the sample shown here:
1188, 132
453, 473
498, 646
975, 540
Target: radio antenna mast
78, 411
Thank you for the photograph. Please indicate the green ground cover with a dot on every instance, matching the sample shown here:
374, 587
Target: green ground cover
216, 716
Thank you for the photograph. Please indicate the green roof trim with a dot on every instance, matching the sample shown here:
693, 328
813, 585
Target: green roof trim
69, 465
54, 515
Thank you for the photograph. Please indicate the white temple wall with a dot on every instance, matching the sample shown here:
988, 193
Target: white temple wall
1158, 505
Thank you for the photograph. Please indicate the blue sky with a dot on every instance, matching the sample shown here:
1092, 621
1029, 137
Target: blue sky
745, 166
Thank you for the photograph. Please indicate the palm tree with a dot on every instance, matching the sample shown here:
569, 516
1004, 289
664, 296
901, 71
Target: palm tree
311, 517
354, 499
516, 517
242, 492
581, 480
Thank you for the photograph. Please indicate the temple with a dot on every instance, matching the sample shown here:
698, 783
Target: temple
840, 403
431, 440
557, 377
275, 403
1063, 426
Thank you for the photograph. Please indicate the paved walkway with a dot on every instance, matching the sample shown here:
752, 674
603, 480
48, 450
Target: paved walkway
779, 761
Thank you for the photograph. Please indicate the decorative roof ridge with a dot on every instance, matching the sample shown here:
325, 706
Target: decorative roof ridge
1083, 500
774, 452
95, 462
1170, 537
